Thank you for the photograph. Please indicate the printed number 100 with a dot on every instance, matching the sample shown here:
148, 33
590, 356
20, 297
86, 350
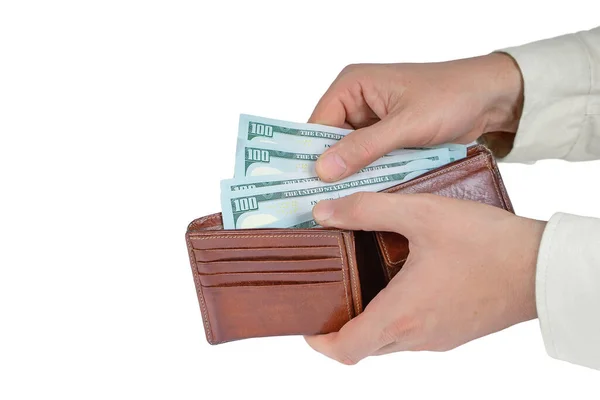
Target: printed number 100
258, 155
245, 204
262, 130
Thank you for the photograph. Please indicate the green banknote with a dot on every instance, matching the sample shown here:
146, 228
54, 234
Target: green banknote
260, 160
275, 182
308, 138
304, 138
426, 159
255, 208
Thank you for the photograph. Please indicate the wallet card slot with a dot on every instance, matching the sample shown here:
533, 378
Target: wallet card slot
238, 312
228, 279
274, 247
269, 283
273, 238
260, 266
267, 254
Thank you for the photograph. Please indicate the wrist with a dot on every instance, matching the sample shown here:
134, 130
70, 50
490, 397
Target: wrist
525, 263
504, 104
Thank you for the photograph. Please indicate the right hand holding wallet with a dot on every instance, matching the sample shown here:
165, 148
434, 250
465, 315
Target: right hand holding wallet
271, 282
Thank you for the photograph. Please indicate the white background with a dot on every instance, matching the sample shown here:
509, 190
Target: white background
117, 121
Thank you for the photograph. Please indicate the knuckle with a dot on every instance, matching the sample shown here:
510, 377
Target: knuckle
358, 205
349, 68
358, 71
400, 329
365, 148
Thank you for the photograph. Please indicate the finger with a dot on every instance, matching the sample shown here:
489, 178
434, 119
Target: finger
330, 111
358, 339
361, 147
387, 212
343, 107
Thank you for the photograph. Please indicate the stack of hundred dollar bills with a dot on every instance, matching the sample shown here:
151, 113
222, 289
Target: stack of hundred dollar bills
275, 184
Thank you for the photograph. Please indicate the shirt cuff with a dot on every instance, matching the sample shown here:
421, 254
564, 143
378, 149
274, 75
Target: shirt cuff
557, 81
568, 289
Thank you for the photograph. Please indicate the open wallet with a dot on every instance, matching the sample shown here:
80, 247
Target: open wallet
272, 282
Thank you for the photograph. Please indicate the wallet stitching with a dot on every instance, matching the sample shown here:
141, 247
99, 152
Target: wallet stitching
354, 280
203, 307
333, 246
352, 273
385, 250
344, 280
418, 180
207, 236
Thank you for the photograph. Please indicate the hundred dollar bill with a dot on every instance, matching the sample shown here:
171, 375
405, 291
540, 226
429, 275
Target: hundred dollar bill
427, 159
423, 159
307, 138
263, 159
249, 183
258, 207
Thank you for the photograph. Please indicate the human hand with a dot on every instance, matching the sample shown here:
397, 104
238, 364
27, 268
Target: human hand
409, 105
470, 272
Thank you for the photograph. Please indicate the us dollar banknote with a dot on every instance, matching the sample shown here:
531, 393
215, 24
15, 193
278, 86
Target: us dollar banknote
275, 183
418, 160
293, 203
308, 138
254, 160
303, 138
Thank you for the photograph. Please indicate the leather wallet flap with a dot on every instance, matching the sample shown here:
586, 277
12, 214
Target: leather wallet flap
265, 282
475, 177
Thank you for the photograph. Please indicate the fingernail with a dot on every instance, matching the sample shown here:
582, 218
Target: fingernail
332, 165
323, 210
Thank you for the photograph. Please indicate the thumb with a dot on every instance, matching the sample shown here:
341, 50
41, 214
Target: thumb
361, 147
356, 340
374, 331
406, 214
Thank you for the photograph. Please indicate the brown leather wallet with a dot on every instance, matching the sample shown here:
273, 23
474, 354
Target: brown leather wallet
271, 282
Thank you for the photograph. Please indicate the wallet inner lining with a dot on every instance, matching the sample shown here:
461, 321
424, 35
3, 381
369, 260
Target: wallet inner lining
370, 266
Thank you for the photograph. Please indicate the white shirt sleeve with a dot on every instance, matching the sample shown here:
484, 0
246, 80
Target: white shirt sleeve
568, 289
561, 113
561, 119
